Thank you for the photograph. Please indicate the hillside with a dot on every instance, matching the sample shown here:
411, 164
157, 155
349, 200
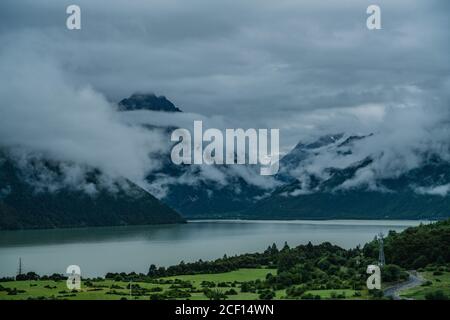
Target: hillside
415, 247
24, 206
414, 194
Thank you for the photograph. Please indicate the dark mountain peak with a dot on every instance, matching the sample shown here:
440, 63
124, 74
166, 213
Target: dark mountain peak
147, 101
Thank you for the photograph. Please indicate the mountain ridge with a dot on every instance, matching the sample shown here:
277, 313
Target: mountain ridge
24, 207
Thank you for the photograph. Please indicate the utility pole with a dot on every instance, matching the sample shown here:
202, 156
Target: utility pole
19, 270
381, 260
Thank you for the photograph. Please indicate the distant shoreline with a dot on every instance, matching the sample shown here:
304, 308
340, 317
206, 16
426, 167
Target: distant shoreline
238, 220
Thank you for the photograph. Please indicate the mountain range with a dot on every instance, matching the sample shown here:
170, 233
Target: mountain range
191, 191
410, 195
28, 203
395, 198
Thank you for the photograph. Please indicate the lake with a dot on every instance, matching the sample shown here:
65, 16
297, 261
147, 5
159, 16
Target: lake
133, 248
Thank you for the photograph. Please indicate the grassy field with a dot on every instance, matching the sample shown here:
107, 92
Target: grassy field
238, 275
433, 282
347, 293
114, 290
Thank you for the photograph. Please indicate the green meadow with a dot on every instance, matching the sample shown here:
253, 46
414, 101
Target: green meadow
192, 285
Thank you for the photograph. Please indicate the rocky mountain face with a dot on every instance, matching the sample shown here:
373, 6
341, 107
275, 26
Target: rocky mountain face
204, 191
419, 193
205, 198
187, 188
412, 194
147, 102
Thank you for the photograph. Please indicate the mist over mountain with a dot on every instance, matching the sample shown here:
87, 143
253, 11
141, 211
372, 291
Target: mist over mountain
371, 109
67, 159
194, 190
335, 176
354, 191
35, 195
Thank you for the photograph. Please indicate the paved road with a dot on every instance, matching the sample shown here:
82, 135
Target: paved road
414, 280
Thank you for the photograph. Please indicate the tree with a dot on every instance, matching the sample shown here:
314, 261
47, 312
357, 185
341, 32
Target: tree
152, 271
420, 262
267, 295
286, 261
214, 294
392, 272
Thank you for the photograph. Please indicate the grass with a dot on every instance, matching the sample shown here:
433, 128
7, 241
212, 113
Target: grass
328, 294
438, 282
238, 275
98, 290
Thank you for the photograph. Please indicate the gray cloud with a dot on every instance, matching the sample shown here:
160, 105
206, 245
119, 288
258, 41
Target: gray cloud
44, 114
306, 67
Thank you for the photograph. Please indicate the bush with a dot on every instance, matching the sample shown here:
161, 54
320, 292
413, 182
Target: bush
246, 287
267, 295
295, 292
157, 296
392, 273
310, 296
436, 295
156, 289
214, 294
376, 293
208, 284
231, 292
223, 285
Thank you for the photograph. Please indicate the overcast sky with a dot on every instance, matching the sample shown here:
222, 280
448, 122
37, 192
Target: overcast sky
260, 62
306, 67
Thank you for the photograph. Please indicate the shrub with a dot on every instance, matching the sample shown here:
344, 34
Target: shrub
436, 295
267, 295
427, 283
231, 292
310, 296
223, 285
296, 291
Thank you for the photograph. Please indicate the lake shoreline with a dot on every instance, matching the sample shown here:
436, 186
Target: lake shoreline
133, 248
220, 220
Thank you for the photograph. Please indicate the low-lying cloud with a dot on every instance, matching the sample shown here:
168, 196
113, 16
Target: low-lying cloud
43, 113
308, 68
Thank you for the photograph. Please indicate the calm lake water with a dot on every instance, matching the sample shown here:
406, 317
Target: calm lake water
116, 249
